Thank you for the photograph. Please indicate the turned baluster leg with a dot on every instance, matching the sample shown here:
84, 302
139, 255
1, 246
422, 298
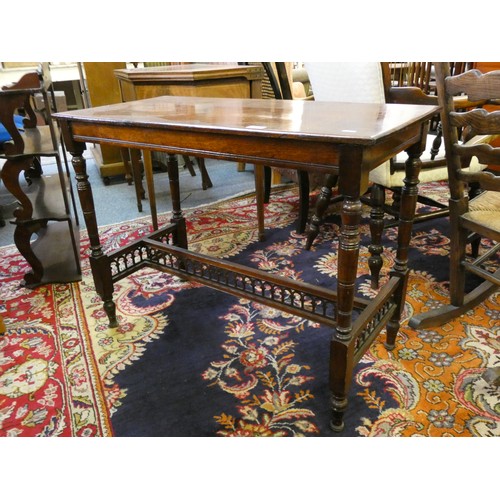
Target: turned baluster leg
409, 195
322, 203
342, 346
180, 236
99, 261
375, 248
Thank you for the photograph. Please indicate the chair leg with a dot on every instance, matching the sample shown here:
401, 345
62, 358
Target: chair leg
377, 198
206, 182
259, 198
303, 201
475, 190
457, 256
267, 183
189, 165
322, 203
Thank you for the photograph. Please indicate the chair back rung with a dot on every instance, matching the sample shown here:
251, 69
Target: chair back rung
475, 85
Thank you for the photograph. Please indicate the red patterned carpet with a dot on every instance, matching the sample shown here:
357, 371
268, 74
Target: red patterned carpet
189, 361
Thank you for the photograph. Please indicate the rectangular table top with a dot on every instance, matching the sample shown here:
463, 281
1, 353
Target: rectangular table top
332, 122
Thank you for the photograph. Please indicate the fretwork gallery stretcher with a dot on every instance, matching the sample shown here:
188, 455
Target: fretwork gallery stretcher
348, 139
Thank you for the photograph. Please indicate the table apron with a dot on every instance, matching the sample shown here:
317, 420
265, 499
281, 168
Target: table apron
306, 154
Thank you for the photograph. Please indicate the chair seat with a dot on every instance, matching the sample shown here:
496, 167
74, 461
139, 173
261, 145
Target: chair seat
484, 209
382, 175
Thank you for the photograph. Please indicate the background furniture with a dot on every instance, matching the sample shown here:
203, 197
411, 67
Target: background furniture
372, 82
479, 216
201, 80
279, 79
45, 204
104, 89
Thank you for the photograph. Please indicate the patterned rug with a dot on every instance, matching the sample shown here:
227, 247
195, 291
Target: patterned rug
190, 361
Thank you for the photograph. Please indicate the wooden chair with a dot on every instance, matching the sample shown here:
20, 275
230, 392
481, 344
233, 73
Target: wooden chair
413, 74
280, 82
47, 208
479, 216
372, 82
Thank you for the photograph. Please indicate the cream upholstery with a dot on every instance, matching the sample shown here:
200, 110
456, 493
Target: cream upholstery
363, 82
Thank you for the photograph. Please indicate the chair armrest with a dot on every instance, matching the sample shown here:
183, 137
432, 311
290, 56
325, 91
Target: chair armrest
410, 95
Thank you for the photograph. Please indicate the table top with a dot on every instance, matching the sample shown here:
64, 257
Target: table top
189, 72
335, 122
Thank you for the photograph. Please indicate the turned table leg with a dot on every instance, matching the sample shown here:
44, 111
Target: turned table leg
99, 261
342, 346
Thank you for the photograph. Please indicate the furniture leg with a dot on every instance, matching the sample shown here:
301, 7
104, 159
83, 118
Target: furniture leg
99, 261
135, 160
377, 199
126, 163
457, 256
322, 203
259, 173
206, 182
304, 200
341, 345
189, 165
9, 175
22, 237
341, 368
148, 170
180, 237
267, 184
409, 196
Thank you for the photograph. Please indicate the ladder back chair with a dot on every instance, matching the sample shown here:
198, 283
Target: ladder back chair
372, 82
479, 216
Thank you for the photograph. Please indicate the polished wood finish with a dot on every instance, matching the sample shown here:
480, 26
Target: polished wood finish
346, 138
195, 80
464, 218
279, 81
44, 207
